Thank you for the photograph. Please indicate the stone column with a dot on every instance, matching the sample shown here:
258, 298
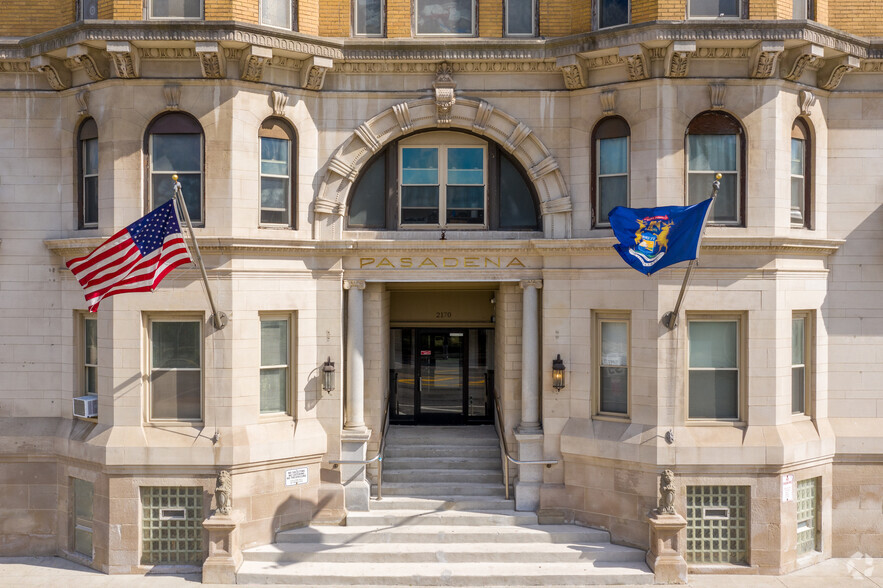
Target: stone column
529, 433
355, 435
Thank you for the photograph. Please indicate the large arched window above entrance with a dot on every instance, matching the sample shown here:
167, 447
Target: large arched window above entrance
443, 180
715, 143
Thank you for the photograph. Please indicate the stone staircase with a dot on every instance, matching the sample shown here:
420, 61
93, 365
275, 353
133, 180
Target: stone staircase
443, 521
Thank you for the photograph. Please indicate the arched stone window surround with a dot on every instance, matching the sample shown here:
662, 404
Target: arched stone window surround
475, 116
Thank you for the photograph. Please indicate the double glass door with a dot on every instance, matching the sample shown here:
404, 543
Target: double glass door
441, 376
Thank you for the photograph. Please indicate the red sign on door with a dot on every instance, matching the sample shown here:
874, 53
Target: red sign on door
426, 352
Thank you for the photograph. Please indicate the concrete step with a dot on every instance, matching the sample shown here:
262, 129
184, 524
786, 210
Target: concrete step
443, 574
445, 475
446, 517
441, 489
441, 552
431, 451
475, 436
452, 503
419, 534
456, 462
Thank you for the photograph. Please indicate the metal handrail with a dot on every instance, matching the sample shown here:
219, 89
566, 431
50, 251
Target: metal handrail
378, 458
499, 425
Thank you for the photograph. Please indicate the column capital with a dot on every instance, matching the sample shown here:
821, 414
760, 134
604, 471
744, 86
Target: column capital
354, 284
531, 284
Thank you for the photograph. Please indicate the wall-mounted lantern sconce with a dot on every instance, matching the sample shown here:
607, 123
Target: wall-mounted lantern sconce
558, 373
328, 375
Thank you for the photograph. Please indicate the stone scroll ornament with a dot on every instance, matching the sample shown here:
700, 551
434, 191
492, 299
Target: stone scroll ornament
224, 492
666, 493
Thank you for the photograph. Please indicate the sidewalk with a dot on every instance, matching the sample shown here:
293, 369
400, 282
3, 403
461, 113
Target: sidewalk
54, 572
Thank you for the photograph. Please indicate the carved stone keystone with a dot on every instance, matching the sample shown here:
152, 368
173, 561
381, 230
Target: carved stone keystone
125, 58
279, 101
312, 73
211, 59
764, 58
58, 76
574, 70
445, 98
832, 73
83, 102
172, 94
92, 61
805, 99
677, 58
252, 62
637, 62
717, 92
608, 102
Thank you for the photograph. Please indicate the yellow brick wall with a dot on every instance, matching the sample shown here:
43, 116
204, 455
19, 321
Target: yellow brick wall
671, 10
398, 18
822, 11
581, 11
762, 9
644, 10
308, 16
334, 18
555, 18
490, 18
860, 17
123, 9
21, 18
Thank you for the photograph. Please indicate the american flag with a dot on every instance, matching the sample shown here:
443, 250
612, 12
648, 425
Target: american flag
136, 259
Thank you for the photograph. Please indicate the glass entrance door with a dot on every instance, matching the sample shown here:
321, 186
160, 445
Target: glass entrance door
441, 376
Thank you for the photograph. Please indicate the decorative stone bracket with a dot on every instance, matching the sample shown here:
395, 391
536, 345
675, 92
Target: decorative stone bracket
805, 99
211, 59
574, 70
444, 86
125, 58
91, 60
58, 76
278, 101
637, 62
832, 73
608, 102
764, 58
252, 62
717, 92
312, 72
677, 58
796, 61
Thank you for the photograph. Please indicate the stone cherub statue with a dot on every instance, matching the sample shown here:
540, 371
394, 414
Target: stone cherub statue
224, 492
666, 493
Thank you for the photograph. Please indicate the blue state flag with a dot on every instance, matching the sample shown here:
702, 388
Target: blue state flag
653, 238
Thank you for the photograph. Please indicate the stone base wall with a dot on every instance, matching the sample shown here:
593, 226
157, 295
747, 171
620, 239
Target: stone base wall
857, 500
30, 496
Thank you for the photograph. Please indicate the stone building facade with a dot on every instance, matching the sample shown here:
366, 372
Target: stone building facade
365, 176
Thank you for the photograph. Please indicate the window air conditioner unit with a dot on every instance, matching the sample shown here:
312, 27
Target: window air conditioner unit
86, 406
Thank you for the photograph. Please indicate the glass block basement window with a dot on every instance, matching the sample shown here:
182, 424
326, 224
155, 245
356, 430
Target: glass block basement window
717, 524
172, 523
807, 516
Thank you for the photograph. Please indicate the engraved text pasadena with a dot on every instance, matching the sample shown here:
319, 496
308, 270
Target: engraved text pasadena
477, 262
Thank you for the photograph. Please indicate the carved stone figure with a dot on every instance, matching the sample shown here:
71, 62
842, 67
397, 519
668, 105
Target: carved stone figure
224, 492
666, 493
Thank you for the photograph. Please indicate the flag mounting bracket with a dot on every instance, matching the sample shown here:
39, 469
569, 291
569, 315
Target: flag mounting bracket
219, 319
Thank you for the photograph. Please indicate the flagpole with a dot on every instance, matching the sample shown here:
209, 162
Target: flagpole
219, 319
670, 319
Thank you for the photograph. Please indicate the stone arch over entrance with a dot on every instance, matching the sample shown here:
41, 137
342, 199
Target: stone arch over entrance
475, 116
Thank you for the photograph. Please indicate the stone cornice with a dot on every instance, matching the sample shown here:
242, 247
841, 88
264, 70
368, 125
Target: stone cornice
70, 248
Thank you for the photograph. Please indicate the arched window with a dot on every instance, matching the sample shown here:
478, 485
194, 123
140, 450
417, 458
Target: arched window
610, 168
716, 144
443, 180
87, 175
801, 174
174, 145
278, 156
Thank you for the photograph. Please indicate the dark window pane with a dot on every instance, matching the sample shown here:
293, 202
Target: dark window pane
175, 394
176, 153
519, 17
465, 216
713, 344
369, 17
798, 389
420, 165
90, 156
444, 17
368, 205
274, 200
714, 394
191, 188
714, 8
465, 197
517, 209
274, 156
612, 192
176, 9
90, 12
273, 386
90, 200
419, 196
725, 204
176, 345
612, 13
90, 331
614, 389
424, 216
613, 156
715, 153
465, 165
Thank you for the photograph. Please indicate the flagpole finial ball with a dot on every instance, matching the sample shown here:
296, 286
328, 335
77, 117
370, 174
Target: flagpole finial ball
175, 177
717, 176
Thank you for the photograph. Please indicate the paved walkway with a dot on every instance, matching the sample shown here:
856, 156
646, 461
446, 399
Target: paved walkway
54, 572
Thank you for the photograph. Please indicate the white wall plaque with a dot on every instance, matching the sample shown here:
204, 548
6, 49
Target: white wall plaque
788, 488
296, 476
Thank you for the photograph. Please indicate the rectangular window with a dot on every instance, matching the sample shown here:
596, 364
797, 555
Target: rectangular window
445, 17
275, 181
171, 525
612, 345
808, 516
800, 353
714, 360
90, 356
612, 13
275, 360
368, 18
175, 370
717, 524
520, 18
276, 13
714, 8
420, 185
88, 9
175, 9
82, 516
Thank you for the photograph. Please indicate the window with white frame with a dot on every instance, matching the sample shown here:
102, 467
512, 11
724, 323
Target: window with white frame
445, 17
801, 174
277, 162
714, 368
610, 168
714, 8
88, 10
520, 18
443, 185
175, 9
804, 10
87, 188
612, 377
175, 377
800, 359
277, 13
368, 17
612, 13
90, 356
275, 364
175, 146
715, 144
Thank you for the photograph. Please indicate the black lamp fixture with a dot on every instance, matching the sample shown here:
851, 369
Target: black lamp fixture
558, 373
328, 375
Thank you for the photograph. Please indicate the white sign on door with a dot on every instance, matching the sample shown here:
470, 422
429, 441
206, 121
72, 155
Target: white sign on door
296, 476
788, 488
